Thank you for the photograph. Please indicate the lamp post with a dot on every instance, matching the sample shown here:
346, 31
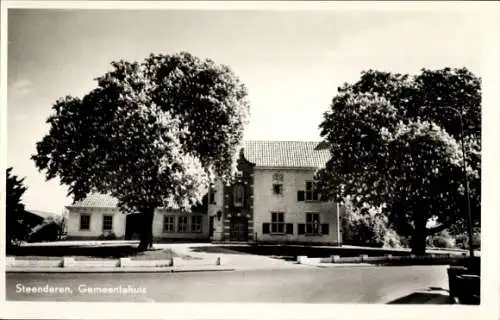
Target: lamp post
464, 164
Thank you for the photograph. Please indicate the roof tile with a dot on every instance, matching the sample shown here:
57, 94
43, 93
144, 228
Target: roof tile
286, 154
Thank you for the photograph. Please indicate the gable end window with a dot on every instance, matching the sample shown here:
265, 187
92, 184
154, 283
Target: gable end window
85, 222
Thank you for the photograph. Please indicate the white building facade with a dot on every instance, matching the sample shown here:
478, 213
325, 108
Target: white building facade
271, 200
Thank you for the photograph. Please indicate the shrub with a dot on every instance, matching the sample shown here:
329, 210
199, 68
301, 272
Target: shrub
48, 231
107, 236
110, 236
365, 227
392, 239
442, 239
462, 240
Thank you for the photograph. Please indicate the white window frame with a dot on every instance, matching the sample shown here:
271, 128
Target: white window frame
309, 194
196, 226
168, 223
104, 222
180, 222
309, 228
277, 222
90, 218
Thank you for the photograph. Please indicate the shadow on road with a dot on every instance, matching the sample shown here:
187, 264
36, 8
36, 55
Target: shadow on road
422, 298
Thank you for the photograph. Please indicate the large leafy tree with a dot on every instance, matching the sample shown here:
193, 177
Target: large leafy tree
16, 229
395, 142
150, 134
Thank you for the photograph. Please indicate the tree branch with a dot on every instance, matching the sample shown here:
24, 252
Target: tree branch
439, 228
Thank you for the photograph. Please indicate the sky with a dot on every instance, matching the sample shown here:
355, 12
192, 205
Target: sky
291, 62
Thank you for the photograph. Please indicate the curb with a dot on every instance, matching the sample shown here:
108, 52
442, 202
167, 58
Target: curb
367, 260
117, 270
121, 265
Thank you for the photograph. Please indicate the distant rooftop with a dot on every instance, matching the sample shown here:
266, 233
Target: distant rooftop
42, 214
286, 154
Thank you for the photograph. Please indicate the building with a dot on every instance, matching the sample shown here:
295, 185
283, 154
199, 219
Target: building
98, 216
272, 199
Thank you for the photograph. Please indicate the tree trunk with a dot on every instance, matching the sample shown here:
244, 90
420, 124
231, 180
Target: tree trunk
419, 238
146, 232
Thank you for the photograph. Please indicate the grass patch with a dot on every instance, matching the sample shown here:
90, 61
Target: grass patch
90, 252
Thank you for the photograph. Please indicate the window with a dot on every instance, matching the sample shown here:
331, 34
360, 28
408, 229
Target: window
182, 224
311, 194
107, 223
84, 222
238, 195
312, 223
277, 222
196, 224
168, 223
278, 189
212, 196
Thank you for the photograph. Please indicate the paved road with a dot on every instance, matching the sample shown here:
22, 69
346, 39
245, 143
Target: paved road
315, 285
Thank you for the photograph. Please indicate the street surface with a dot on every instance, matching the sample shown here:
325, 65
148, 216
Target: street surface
358, 284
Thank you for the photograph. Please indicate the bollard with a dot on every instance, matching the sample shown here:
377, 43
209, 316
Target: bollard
364, 257
124, 262
301, 259
335, 258
68, 262
10, 261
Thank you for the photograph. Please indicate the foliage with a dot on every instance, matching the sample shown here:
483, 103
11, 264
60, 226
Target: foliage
393, 240
16, 229
442, 239
365, 227
47, 231
395, 144
107, 236
51, 229
151, 134
462, 240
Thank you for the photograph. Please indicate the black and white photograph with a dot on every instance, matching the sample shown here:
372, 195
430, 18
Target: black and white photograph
301, 156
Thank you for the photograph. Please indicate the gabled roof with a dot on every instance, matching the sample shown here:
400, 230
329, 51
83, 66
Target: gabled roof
42, 214
97, 200
285, 154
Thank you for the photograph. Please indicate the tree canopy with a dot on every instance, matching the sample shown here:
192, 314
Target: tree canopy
150, 134
16, 229
395, 145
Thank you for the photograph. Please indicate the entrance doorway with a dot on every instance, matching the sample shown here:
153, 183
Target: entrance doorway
238, 229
